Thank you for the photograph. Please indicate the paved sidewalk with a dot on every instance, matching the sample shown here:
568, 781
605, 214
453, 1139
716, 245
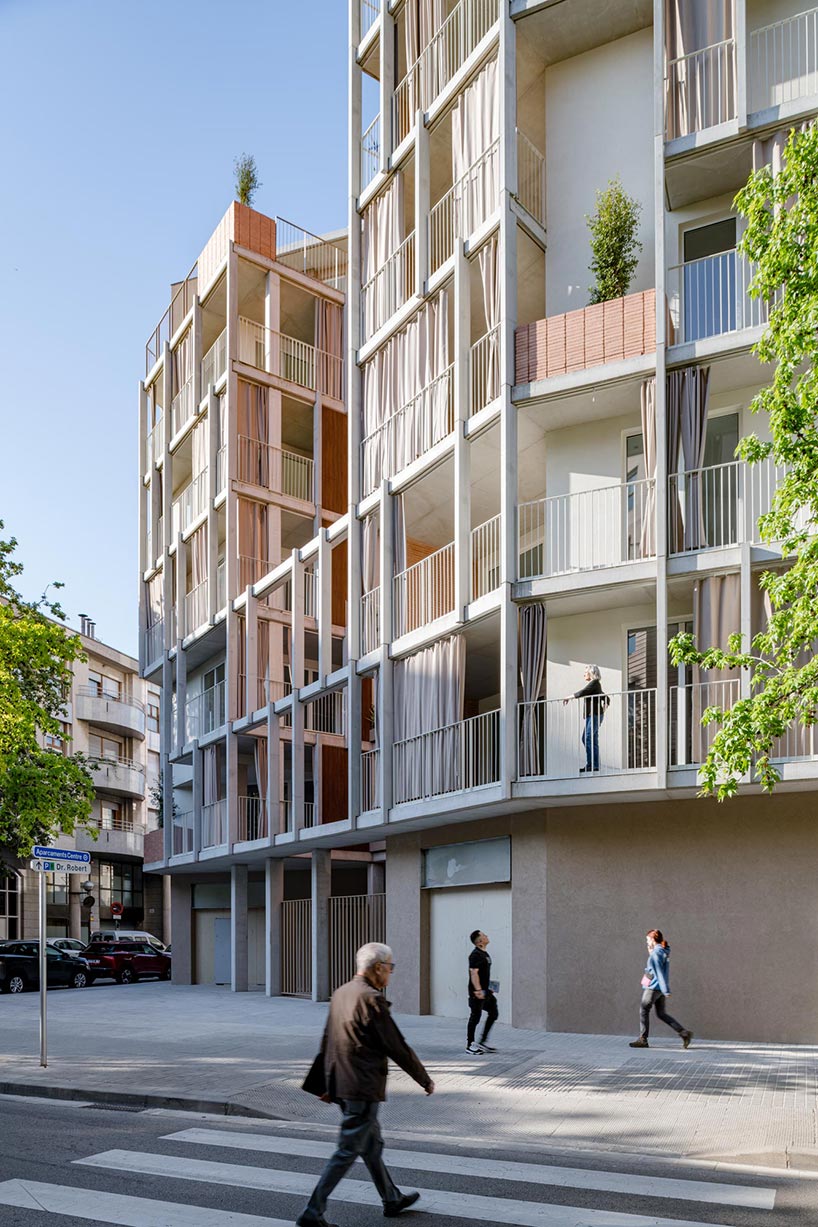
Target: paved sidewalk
220, 1051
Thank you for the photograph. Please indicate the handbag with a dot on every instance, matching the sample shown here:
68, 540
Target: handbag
315, 1082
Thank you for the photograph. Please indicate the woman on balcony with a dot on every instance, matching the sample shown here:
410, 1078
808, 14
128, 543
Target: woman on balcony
595, 703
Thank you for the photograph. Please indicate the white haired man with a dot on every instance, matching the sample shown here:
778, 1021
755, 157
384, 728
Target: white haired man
351, 1069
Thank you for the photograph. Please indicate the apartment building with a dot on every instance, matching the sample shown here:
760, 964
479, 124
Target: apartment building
112, 717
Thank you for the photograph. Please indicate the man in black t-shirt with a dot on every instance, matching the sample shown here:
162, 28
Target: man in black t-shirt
481, 996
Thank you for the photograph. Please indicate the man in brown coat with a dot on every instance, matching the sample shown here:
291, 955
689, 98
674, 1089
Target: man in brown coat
358, 1039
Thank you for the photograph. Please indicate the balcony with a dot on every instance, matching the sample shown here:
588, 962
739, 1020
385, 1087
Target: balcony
326, 714
392, 286
424, 592
485, 558
567, 533
214, 824
605, 332
782, 62
287, 815
465, 207
182, 408
700, 90
288, 358
460, 756
370, 10
425, 420
720, 505
196, 612
310, 255
154, 642
122, 715
118, 835
251, 570
120, 776
530, 178
370, 787
370, 152
552, 733
205, 712
182, 837
252, 819
156, 442
214, 363
284, 472
190, 504
689, 740
484, 369
370, 621
710, 297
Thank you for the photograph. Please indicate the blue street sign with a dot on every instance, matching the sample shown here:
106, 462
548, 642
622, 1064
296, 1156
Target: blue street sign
61, 854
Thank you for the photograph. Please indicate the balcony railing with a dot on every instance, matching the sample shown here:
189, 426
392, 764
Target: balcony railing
196, 613
370, 152
275, 469
559, 741
205, 712
95, 692
110, 821
450, 759
287, 814
605, 527
465, 207
485, 557
311, 255
190, 504
783, 61
710, 297
214, 363
326, 715
182, 407
154, 641
156, 442
689, 739
530, 177
410, 433
604, 332
182, 839
392, 286
221, 586
370, 621
296, 361
485, 370
370, 788
214, 824
251, 570
700, 89
720, 505
370, 10
252, 819
221, 469
424, 592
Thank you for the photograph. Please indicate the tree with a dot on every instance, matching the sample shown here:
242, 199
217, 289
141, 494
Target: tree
781, 241
42, 793
615, 246
247, 180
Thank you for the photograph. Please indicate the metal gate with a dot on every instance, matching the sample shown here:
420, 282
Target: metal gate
354, 920
296, 958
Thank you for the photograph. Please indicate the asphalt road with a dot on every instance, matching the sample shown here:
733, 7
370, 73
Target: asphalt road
63, 1164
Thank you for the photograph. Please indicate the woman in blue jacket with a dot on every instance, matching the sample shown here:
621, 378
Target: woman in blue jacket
655, 989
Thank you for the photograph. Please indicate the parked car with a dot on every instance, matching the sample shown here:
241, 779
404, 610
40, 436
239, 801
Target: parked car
72, 945
126, 935
20, 967
126, 962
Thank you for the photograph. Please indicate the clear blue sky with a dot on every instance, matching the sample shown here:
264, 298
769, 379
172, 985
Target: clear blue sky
120, 123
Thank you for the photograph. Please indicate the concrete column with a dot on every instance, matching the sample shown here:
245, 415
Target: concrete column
318, 462
74, 909
167, 923
231, 760
376, 877
166, 748
273, 899
746, 617
462, 456
212, 517
297, 675
196, 356
238, 928
387, 85
324, 611
273, 774
251, 699
354, 719
662, 695
422, 198
181, 589
198, 797
321, 865
181, 923
181, 700
740, 8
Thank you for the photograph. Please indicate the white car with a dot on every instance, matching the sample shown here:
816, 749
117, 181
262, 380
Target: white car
126, 935
68, 944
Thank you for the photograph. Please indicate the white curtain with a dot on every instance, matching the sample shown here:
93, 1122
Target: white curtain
197, 546
533, 639
645, 534
210, 775
369, 554
489, 275
260, 757
383, 227
329, 341
428, 699
475, 131
716, 616
154, 600
199, 448
694, 431
398, 534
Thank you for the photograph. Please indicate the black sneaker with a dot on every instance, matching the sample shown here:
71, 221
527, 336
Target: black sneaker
486, 1047
393, 1208
640, 1043
687, 1036
474, 1049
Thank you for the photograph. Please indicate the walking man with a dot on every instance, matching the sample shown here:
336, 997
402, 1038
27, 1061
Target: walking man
481, 995
351, 1068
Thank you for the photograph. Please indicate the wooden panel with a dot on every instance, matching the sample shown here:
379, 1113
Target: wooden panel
333, 460
416, 551
334, 783
339, 585
253, 230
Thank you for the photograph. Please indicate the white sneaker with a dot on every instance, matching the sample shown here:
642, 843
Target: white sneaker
474, 1049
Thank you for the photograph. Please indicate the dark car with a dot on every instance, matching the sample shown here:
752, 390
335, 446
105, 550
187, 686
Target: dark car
126, 962
20, 967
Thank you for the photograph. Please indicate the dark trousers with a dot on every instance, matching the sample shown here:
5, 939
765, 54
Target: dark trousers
590, 739
476, 1007
652, 997
360, 1136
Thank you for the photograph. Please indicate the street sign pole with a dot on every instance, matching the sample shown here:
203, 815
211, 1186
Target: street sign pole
43, 973
46, 861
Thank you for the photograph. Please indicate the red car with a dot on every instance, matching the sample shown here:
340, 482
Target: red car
125, 962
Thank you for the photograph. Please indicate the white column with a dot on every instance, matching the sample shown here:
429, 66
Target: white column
422, 198
320, 878
353, 715
181, 701
196, 355
197, 797
181, 923
662, 694
462, 455
387, 85
166, 748
324, 610
742, 71
746, 617
212, 516
251, 699
297, 674
238, 928
273, 774
273, 899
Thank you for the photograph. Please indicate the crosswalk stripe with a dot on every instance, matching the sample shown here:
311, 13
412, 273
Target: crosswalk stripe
361, 1193
100, 1207
755, 1198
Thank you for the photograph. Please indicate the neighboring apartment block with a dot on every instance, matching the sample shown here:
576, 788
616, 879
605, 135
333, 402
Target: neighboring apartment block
112, 717
534, 485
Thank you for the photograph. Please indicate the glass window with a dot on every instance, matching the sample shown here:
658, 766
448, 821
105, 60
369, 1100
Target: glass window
484, 860
153, 717
57, 887
9, 906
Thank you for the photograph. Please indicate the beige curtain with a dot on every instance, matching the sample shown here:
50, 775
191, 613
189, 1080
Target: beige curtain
428, 699
330, 329
255, 457
694, 430
154, 600
716, 616
181, 363
475, 130
645, 534
260, 757
490, 277
701, 90
253, 538
197, 546
533, 626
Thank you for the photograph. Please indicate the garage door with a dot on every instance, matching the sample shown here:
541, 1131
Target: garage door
454, 914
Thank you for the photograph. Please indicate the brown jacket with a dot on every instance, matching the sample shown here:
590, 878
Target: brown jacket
359, 1037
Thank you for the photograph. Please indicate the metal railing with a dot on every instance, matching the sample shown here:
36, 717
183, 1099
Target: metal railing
370, 785
370, 11
205, 712
485, 557
393, 285
96, 692
720, 505
450, 759
370, 620
190, 504
296, 947
180, 304
592, 528
783, 61
108, 821
288, 473
288, 814
700, 89
354, 920
326, 714
214, 824
689, 741
182, 407
311, 255
182, 835
424, 592
370, 152
251, 570
465, 207
154, 641
710, 297
252, 819
410, 433
298, 362
156, 442
611, 735
485, 370
196, 612
530, 177
214, 363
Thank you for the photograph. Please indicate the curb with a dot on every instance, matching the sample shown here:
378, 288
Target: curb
184, 1103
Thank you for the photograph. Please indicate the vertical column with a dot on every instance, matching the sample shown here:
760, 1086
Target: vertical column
160, 547
196, 356
376, 877
229, 408
422, 199
273, 773
354, 716
746, 622
662, 693
324, 611
231, 758
385, 722
197, 797
74, 908
166, 749
462, 466
321, 873
742, 47
317, 461
181, 701
297, 674
273, 899
181, 923
212, 517
167, 924
387, 85
251, 688
238, 928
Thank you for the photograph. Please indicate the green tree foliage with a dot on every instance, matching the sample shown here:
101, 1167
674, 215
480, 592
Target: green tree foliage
781, 240
247, 180
615, 246
42, 793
